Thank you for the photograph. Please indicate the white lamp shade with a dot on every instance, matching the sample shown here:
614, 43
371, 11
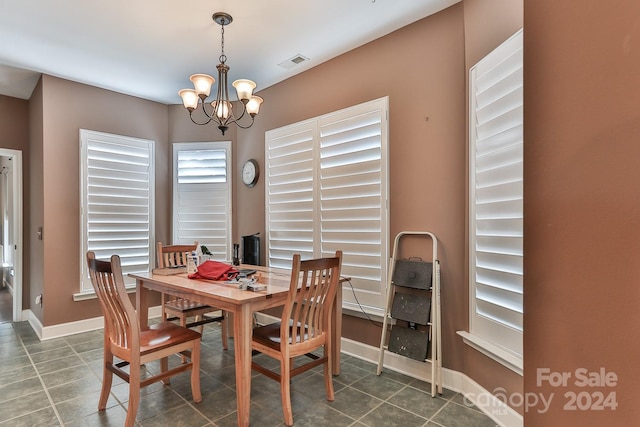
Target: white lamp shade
202, 84
244, 88
222, 109
189, 98
253, 106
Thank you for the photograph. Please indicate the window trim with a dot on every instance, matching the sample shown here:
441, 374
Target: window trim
508, 357
86, 292
312, 128
211, 145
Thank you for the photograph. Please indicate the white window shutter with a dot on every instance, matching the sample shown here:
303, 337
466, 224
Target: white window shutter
291, 198
202, 196
353, 196
117, 201
327, 190
496, 199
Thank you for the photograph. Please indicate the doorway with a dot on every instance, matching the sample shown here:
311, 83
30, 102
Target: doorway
11, 224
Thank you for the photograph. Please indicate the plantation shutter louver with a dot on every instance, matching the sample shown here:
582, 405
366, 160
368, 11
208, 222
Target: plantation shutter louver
202, 196
327, 191
290, 193
117, 201
350, 195
496, 207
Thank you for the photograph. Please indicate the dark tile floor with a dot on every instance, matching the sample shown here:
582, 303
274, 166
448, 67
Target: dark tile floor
57, 382
6, 304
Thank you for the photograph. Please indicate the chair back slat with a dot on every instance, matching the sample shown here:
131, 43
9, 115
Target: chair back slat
120, 319
312, 290
171, 255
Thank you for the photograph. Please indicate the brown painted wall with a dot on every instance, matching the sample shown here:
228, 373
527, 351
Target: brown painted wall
14, 134
14, 123
582, 204
487, 24
67, 108
35, 285
427, 158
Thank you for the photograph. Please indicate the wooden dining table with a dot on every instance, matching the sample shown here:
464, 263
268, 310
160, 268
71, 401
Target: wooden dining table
242, 304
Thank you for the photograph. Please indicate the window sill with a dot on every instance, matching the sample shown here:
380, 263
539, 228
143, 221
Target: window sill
505, 358
87, 295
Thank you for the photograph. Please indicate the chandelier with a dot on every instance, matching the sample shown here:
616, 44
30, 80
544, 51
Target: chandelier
221, 111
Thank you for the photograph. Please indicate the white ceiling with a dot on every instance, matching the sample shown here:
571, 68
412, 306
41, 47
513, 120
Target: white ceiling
149, 48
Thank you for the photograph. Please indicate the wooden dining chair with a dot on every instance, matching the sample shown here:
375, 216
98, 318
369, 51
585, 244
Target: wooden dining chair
124, 339
306, 317
181, 308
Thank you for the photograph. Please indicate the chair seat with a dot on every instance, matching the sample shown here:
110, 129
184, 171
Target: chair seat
269, 335
164, 335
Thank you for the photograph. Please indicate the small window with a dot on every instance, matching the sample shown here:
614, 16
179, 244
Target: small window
202, 196
117, 198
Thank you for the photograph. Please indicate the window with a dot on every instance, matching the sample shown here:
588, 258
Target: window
117, 201
326, 189
202, 196
496, 201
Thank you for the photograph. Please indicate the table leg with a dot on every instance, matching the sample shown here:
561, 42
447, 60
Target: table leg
242, 328
142, 304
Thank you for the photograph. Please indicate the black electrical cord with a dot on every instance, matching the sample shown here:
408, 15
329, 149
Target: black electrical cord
378, 324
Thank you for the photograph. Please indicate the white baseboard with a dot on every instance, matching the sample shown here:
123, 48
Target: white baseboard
489, 404
70, 328
33, 321
493, 407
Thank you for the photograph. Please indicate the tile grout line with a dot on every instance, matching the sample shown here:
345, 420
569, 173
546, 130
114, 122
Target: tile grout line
86, 364
382, 401
44, 387
354, 420
431, 418
360, 419
189, 403
15, 398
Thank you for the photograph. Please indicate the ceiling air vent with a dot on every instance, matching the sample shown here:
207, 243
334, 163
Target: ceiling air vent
294, 61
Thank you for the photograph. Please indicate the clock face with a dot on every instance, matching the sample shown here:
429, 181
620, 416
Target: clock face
250, 173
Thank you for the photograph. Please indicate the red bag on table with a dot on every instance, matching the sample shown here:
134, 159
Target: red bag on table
214, 270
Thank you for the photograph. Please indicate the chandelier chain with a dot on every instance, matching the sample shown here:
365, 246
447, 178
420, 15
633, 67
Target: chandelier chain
223, 57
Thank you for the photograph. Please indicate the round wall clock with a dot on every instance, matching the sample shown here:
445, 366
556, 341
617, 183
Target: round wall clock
250, 173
